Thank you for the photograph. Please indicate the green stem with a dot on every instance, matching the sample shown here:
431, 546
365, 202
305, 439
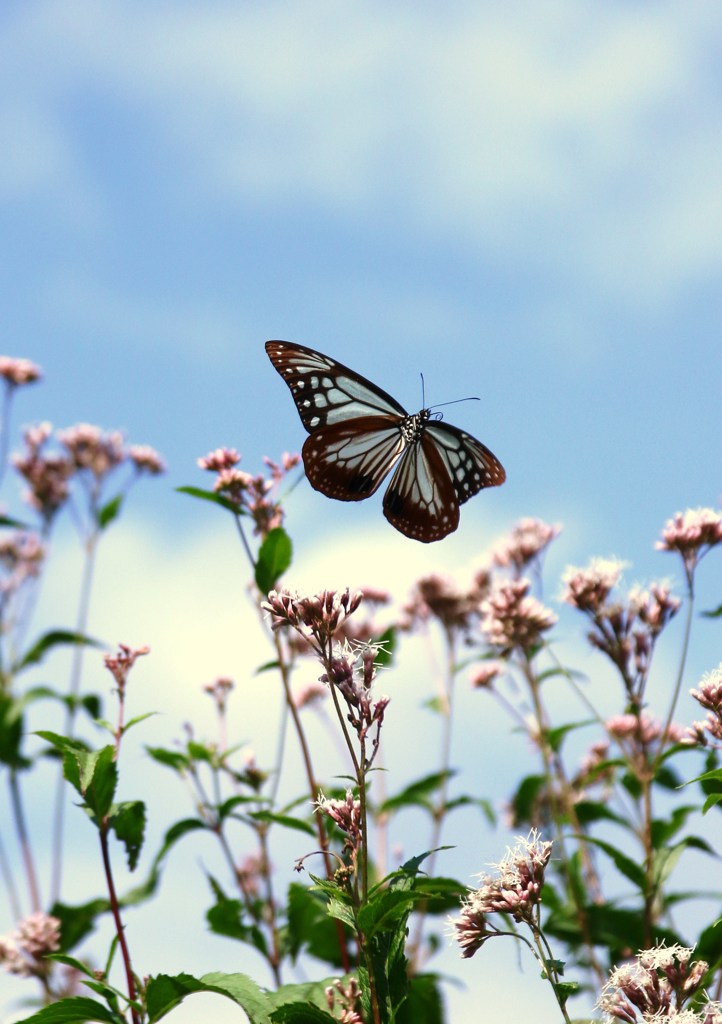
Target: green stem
71, 711
119, 928
24, 840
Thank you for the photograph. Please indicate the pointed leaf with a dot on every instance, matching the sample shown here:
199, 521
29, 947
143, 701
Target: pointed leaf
54, 638
109, 511
76, 1010
216, 499
128, 823
274, 558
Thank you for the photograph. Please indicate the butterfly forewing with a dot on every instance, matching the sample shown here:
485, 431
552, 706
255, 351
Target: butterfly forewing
325, 391
348, 461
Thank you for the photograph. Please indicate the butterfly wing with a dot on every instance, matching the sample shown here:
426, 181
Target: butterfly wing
420, 500
470, 464
436, 475
358, 432
327, 392
348, 460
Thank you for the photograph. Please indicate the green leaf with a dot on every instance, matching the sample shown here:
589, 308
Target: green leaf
89, 702
524, 800
589, 811
419, 793
285, 820
301, 1013
170, 758
714, 613
128, 823
226, 917
244, 991
216, 499
386, 652
11, 732
53, 638
98, 779
176, 832
557, 736
109, 511
15, 524
423, 1003
663, 830
625, 865
274, 558
77, 922
309, 926
76, 1010
93, 773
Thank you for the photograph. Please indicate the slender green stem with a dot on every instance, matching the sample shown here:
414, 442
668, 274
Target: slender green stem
71, 710
439, 813
6, 871
681, 668
24, 840
119, 928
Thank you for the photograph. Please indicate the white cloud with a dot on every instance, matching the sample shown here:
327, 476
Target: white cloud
575, 138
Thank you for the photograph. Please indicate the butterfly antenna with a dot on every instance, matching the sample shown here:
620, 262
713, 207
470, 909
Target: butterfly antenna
471, 398
423, 395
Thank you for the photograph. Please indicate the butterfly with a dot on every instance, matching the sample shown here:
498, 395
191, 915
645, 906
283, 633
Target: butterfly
358, 433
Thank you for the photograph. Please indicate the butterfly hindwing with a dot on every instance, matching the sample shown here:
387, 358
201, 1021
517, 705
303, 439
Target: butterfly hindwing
470, 464
348, 461
420, 500
327, 392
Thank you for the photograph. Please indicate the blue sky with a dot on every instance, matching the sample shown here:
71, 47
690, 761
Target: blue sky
521, 201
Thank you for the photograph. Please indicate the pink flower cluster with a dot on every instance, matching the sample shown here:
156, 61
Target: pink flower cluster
346, 814
515, 890
692, 533
626, 631
655, 987
87, 450
512, 618
708, 693
18, 371
250, 493
120, 664
22, 952
315, 617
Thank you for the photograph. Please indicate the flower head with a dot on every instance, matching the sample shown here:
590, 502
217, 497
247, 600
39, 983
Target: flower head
692, 533
526, 542
438, 597
219, 690
146, 459
514, 890
511, 617
18, 371
250, 493
485, 673
91, 449
346, 814
588, 589
119, 665
22, 952
654, 987
315, 617
47, 474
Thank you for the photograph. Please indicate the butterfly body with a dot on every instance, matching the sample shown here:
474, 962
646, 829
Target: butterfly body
358, 433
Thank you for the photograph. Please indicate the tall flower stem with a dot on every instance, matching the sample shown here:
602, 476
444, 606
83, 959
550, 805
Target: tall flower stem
24, 839
439, 812
76, 671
